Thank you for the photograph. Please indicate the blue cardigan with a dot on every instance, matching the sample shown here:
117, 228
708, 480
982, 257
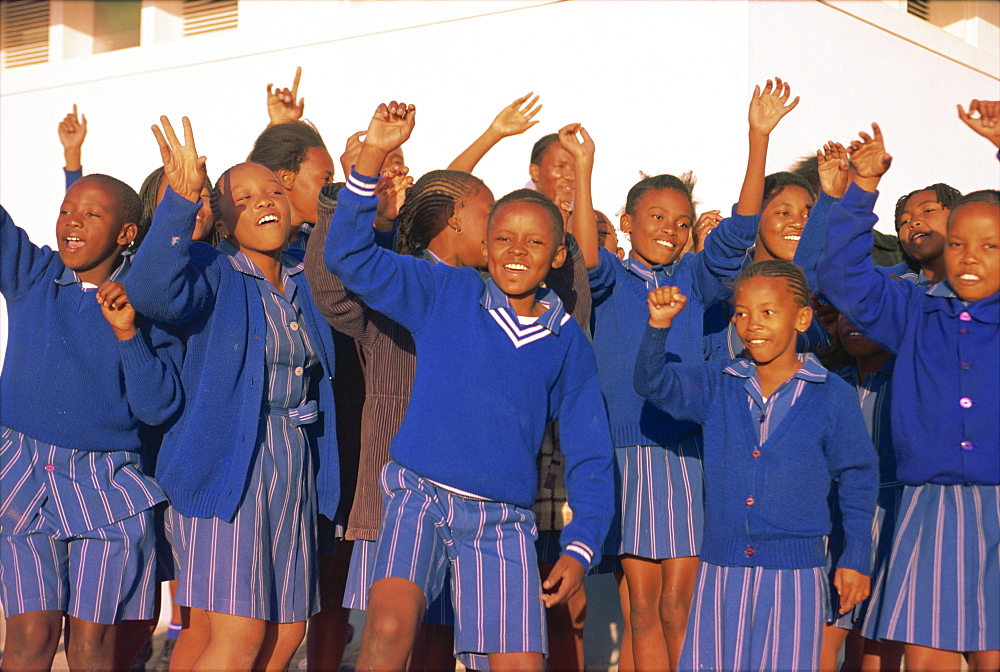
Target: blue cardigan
67, 380
946, 383
484, 386
207, 452
766, 505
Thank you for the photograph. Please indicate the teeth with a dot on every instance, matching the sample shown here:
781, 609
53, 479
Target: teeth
792, 237
266, 219
968, 276
755, 341
665, 243
73, 243
854, 333
515, 267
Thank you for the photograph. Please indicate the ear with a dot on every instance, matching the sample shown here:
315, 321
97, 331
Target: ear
803, 319
535, 172
286, 177
127, 234
560, 257
485, 255
625, 223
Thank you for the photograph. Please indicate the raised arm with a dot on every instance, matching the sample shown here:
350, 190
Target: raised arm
583, 221
21, 261
833, 168
72, 132
514, 119
767, 108
281, 103
163, 283
987, 124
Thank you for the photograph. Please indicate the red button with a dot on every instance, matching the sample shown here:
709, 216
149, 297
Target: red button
750, 501
755, 453
749, 551
50, 468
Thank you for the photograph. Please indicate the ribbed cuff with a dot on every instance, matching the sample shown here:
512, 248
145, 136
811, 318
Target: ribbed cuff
362, 185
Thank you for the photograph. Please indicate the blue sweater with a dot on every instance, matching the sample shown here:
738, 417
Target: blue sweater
620, 315
484, 386
67, 380
207, 452
946, 383
766, 505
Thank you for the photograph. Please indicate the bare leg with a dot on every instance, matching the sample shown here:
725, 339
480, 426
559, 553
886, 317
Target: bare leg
528, 661
32, 640
395, 608
195, 633
833, 639
434, 649
565, 627
926, 659
625, 662
281, 641
327, 635
90, 646
233, 644
645, 585
679, 576
984, 661
878, 656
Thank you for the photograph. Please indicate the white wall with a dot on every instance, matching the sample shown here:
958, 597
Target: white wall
661, 85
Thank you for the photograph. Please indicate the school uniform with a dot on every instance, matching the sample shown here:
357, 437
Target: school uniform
480, 464
302, 239
904, 272
660, 498
943, 579
761, 592
76, 406
242, 517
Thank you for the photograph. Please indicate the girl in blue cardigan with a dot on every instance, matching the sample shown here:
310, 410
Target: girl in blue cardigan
779, 430
253, 450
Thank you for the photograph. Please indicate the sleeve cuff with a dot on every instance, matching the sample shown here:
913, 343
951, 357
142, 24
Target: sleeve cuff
857, 197
858, 559
134, 352
580, 551
362, 185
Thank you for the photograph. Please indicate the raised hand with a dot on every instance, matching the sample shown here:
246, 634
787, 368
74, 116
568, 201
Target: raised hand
517, 117
664, 305
987, 124
351, 152
391, 192
767, 107
72, 131
183, 168
870, 158
281, 105
116, 309
705, 225
390, 126
581, 148
834, 168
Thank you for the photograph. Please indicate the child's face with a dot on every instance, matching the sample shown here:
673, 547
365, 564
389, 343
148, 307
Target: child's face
923, 226
471, 216
303, 187
520, 249
556, 176
607, 237
89, 231
856, 344
660, 226
782, 221
768, 319
205, 222
255, 211
972, 251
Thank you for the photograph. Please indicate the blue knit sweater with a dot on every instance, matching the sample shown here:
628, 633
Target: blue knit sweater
620, 315
485, 386
946, 383
766, 505
207, 452
67, 380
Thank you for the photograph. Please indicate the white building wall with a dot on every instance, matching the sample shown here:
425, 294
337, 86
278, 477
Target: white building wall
661, 85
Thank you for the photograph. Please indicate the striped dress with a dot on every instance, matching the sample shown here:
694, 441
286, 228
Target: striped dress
262, 564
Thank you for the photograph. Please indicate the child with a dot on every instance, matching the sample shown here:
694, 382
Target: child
943, 581
243, 512
921, 219
660, 497
778, 432
76, 516
516, 362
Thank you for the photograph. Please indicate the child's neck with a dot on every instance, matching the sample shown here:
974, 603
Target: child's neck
934, 269
869, 364
269, 264
98, 274
526, 306
773, 374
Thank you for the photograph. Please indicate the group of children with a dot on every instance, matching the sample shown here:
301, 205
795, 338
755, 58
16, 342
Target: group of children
295, 396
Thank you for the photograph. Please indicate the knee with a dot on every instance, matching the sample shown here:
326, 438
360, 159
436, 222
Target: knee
644, 612
388, 627
32, 639
674, 608
91, 648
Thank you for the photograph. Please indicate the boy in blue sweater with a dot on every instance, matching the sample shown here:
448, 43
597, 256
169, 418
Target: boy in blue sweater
778, 430
76, 517
495, 362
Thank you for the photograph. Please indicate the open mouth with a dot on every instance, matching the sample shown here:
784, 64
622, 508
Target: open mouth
969, 277
917, 235
73, 243
515, 268
269, 218
794, 237
665, 243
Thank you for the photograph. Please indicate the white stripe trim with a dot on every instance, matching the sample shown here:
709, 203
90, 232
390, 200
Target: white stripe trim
519, 337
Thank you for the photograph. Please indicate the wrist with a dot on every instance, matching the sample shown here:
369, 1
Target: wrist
658, 323
370, 160
869, 184
124, 334
757, 135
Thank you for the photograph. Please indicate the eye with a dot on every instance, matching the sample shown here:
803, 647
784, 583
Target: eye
990, 246
91, 213
768, 311
739, 313
783, 213
954, 244
64, 212
686, 225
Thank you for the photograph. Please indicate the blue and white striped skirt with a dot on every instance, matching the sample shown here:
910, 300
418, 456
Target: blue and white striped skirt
662, 501
943, 583
752, 618
263, 565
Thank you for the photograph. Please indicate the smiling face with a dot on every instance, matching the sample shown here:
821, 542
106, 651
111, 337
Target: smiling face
922, 227
607, 237
555, 176
256, 214
521, 246
972, 251
781, 224
855, 343
768, 319
659, 227
89, 232
304, 186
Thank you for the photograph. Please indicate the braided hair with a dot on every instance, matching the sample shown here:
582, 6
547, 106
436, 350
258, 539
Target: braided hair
535, 198
945, 194
429, 203
794, 277
657, 183
147, 197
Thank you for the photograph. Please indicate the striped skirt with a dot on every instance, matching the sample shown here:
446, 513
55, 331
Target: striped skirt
752, 618
263, 565
943, 584
662, 508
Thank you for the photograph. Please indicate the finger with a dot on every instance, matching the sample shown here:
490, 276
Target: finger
169, 131
269, 89
162, 142
83, 119
188, 133
74, 111
295, 82
518, 102
531, 113
791, 105
865, 137
877, 131
301, 106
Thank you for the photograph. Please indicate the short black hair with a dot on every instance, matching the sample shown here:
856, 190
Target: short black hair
775, 182
945, 194
538, 150
128, 208
656, 183
535, 198
987, 196
284, 146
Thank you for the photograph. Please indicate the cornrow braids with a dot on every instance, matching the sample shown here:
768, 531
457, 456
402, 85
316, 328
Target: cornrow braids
535, 198
778, 268
657, 182
147, 197
945, 194
429, 203
215, 201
